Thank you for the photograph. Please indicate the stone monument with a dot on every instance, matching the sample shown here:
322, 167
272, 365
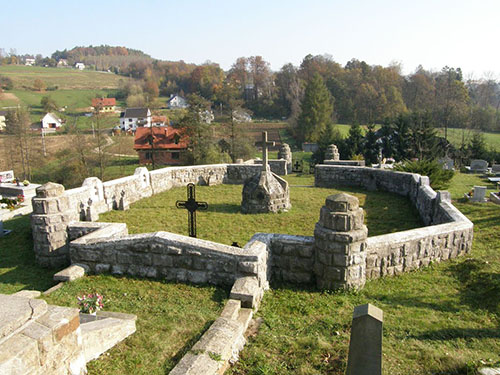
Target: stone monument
332, 153
265, 191
286, 153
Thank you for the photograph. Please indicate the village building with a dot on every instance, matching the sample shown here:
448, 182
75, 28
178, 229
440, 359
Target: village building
177, 102
29, 62
62, 63
80, 66
50, 122
104, 105
159, 120
133, 118
3, 114
165, 144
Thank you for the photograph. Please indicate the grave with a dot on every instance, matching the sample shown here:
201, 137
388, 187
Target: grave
479, 194
286, 153
495, 169
477, 166
332, 157
265, 191
191, 205
447, 163
332, 153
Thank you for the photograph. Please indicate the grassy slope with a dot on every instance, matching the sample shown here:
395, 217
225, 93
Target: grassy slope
455, 136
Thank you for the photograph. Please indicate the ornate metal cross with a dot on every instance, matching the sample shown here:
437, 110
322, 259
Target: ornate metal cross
264, 144
192, 206
298, 167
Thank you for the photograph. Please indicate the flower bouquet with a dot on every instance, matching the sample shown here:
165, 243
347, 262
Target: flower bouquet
90, 303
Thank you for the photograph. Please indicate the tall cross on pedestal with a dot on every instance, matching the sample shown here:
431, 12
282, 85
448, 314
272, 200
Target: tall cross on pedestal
264, 144
192, 206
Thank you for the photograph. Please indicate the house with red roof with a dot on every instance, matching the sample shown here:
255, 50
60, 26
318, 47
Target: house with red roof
163, 143
104, 105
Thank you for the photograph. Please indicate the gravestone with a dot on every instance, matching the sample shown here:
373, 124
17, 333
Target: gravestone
495, 168
479, 194
447, 163
365, 347
298, 167
478, 166
332, 153
191, 205
265, 191
286, 153
7, 176
123, 204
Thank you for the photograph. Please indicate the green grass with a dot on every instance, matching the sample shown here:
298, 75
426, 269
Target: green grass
64, 78
443, 319
455, 136
224, 223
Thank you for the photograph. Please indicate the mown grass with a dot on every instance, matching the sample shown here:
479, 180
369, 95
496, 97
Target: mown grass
457, 136
63, 78
224, 223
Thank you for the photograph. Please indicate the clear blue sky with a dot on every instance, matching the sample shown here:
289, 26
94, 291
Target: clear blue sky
459, 33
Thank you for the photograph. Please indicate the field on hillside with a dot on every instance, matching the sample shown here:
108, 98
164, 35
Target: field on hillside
63, 78
455, 136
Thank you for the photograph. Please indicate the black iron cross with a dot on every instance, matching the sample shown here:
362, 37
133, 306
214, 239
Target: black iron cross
192, 206
298, 167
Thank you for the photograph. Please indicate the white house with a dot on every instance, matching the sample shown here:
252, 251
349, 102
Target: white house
2, 120
29, 62
62, 63
80, 66
134, 117
241, 116
177, 101
51, 122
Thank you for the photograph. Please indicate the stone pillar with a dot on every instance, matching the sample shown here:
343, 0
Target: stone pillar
286, 153
339, 242
49, 225
332, 153
365, 348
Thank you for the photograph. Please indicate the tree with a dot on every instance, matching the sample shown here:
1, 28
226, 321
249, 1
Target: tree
316, 111
371, 148
18, 125
354, 140
48, 104
422, 135
39, 85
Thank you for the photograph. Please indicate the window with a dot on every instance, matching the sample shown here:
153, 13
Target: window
148, 155
129, 120
175, 156
176, 139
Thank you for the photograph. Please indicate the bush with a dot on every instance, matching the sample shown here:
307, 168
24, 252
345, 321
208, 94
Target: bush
439, 177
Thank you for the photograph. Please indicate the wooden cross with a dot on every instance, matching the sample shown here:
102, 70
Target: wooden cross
264, 144
192, 206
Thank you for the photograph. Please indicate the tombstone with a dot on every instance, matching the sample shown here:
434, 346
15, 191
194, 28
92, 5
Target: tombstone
479, 194
191, 205
332, 153
7, 176
365, 347
123, 205
92, 214
495, 168
286, 153
298, 167
447, 163
478, 166
265, 192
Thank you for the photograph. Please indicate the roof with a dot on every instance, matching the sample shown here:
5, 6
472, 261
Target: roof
162, 119
176, 96
136, 112
103, 102
164, 138
54, 117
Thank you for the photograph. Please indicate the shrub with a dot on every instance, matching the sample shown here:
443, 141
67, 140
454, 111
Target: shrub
439, 177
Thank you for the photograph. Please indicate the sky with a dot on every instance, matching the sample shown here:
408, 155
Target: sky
459, 33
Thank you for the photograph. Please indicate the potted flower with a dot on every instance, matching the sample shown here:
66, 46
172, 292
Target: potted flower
26, 182
90, 303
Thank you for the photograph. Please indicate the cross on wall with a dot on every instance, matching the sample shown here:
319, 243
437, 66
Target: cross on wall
264, 144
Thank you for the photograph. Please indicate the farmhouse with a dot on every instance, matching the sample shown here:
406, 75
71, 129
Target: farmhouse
165, 144
133, 118
80, 66
51, 122
104, 105
177, 102
29, 62
62, 63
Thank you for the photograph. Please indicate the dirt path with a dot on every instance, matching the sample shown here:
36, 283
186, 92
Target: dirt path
9, 96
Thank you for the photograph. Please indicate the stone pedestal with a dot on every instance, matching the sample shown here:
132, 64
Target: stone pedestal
339, 241
365, 348
286, 153
265, 192
332, 153
49, 222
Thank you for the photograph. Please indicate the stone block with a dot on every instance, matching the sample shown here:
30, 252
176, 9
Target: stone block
16, 311
73, 272
28, 293
49, 190
19, 355
196, 364
248, 267
246, 289
231, 309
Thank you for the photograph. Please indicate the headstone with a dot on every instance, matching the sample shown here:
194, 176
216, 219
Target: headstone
123, 205
340, 242
298, 167
495, 168
286, 153
265, 191
332, 153
7, 176
479, 194
365, 347
447, 163
92, 214
479, 166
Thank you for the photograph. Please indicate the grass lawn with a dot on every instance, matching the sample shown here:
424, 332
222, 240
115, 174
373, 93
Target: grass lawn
455, 137
444, 319
224, 223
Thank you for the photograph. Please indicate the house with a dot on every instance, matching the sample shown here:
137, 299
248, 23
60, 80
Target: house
51, 122
29, 62
165, 144
104, 105
177, 102
240, 115
80, 66
2, 120
133, 118
62, 63
206, 116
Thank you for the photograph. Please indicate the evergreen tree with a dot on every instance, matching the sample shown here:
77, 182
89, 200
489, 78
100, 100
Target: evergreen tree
477, 147
371, 147
316, 111
354, 140
422, 135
